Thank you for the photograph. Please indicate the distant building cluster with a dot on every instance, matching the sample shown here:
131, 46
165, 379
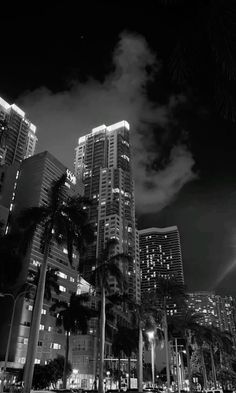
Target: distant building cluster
103, 173
214, 310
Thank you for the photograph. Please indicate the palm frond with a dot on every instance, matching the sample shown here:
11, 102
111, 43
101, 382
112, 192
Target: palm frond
57, 192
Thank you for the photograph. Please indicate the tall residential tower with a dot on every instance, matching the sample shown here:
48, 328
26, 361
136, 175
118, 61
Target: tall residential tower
104, 163
160, 256
17, 134
32, 188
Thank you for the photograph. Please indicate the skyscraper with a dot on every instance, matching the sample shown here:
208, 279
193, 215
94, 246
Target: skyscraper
160, 256
17, 134
214, 310
104, 163
32, 185
17, 142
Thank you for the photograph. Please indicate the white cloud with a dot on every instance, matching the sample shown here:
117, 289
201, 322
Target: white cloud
63, 117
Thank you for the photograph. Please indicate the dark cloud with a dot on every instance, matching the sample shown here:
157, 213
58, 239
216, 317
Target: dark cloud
63, 117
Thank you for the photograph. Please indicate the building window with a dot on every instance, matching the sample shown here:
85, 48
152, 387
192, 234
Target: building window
43, 311
62, 275
62, 289
37, 361
41, 327
55, 346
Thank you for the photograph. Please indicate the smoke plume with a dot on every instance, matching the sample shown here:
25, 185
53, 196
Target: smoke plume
63, 117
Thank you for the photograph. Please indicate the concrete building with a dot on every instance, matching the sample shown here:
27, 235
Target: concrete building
104, 163
215, 309
160, 256
17, 134
31, 188
17, 142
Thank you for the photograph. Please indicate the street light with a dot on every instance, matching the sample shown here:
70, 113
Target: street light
151, 335
10, 330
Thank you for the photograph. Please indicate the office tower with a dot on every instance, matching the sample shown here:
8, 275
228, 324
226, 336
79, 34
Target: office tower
17, 134
160, 256
104, 163
32, 184
214, 309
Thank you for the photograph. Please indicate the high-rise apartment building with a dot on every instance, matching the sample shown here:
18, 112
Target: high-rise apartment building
214, 310
17, 142
32, 184
17, 134
160, 256
104, 163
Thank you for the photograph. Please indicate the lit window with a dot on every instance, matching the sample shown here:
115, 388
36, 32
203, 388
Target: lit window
41, 327
65, 251
36, 263
62, 289
37, 361
30, 307
49, 328
43, 311
62, 275
25, 341
72, 279
55, 346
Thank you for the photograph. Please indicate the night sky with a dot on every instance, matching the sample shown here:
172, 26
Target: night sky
72, 70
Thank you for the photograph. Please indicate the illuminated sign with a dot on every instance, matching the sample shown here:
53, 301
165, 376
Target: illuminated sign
70, 176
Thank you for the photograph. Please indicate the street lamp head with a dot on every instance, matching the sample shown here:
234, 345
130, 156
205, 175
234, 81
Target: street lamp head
151, 334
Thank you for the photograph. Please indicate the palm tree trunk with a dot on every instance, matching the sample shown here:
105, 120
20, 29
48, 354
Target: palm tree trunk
140, 361
167, 351
35, 323
213, 368
119, 374
129, 370
64, 378
95, 355
102, 340
204, 374
188, 363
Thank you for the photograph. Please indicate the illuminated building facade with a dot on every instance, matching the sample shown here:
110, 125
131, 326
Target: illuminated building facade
215, 309
160, 256
17, 142
31, 188
104, 163
17, 134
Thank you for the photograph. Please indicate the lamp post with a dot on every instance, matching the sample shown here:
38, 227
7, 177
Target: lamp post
151, 335
10, 330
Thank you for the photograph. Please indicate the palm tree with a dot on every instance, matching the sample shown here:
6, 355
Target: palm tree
200, 53
144, 316
169, 294
182, 326
108, 266
214, 338
51, 282
73, 316
64, 221
125, 340
200, 335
